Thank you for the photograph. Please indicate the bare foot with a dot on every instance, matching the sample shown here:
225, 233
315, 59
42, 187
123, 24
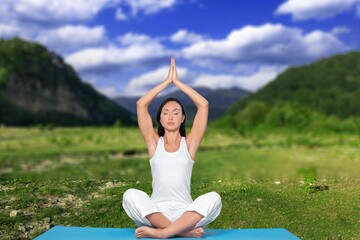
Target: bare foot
194, 233
148, 232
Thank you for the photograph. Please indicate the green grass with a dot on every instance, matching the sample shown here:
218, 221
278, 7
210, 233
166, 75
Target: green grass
76, 176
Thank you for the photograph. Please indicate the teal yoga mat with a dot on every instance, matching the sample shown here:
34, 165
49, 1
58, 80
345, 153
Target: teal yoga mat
90, 233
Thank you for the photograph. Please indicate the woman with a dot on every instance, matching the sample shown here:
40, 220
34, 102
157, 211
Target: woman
170, 211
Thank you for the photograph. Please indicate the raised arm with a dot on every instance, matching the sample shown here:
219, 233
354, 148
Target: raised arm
197, 131
144, 119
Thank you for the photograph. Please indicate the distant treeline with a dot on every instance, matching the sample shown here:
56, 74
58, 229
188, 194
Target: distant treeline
322, 96
260, 116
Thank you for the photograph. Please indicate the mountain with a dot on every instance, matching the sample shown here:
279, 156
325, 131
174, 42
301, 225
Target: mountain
329, 87
219, 101
38, 87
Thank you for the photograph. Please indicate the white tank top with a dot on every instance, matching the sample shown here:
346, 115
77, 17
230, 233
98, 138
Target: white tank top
171, 174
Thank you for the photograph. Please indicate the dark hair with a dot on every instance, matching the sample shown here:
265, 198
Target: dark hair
161, 130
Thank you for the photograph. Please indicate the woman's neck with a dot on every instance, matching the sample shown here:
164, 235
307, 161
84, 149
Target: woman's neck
172, 137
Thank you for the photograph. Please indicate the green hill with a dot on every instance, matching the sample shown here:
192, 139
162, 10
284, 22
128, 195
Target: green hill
38, 87
324, 92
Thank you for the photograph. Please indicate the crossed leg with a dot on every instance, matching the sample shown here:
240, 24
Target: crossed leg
144, 212
184, 226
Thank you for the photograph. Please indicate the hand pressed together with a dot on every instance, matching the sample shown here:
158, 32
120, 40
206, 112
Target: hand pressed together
172, 75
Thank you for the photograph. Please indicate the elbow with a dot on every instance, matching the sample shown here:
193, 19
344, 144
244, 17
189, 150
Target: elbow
140, 103
204, 104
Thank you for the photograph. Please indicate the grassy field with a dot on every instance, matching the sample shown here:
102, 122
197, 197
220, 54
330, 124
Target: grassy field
306, 183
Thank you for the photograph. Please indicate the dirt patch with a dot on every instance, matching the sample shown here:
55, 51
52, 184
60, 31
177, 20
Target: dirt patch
109, 185
68, 201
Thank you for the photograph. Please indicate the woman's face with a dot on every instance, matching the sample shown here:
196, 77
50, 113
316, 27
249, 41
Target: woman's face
171, 116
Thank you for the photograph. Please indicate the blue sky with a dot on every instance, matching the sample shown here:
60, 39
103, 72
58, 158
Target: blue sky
123, 47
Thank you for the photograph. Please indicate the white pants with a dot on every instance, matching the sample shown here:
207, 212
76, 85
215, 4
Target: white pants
137, 204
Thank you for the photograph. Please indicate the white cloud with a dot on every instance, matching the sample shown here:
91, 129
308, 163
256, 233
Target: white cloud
184, 36
27, 18
31, 19
109, 91
149, 6
267, 44
251, 82
131, 38
57, 10
9, 30
340, 30
148, 79
120, 15
317, 44
102, 58
72, 37
319, 9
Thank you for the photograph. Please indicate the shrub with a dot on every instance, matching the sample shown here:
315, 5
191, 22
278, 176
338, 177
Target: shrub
351, 124
290, 115
117, 123
3, 77
252, 115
